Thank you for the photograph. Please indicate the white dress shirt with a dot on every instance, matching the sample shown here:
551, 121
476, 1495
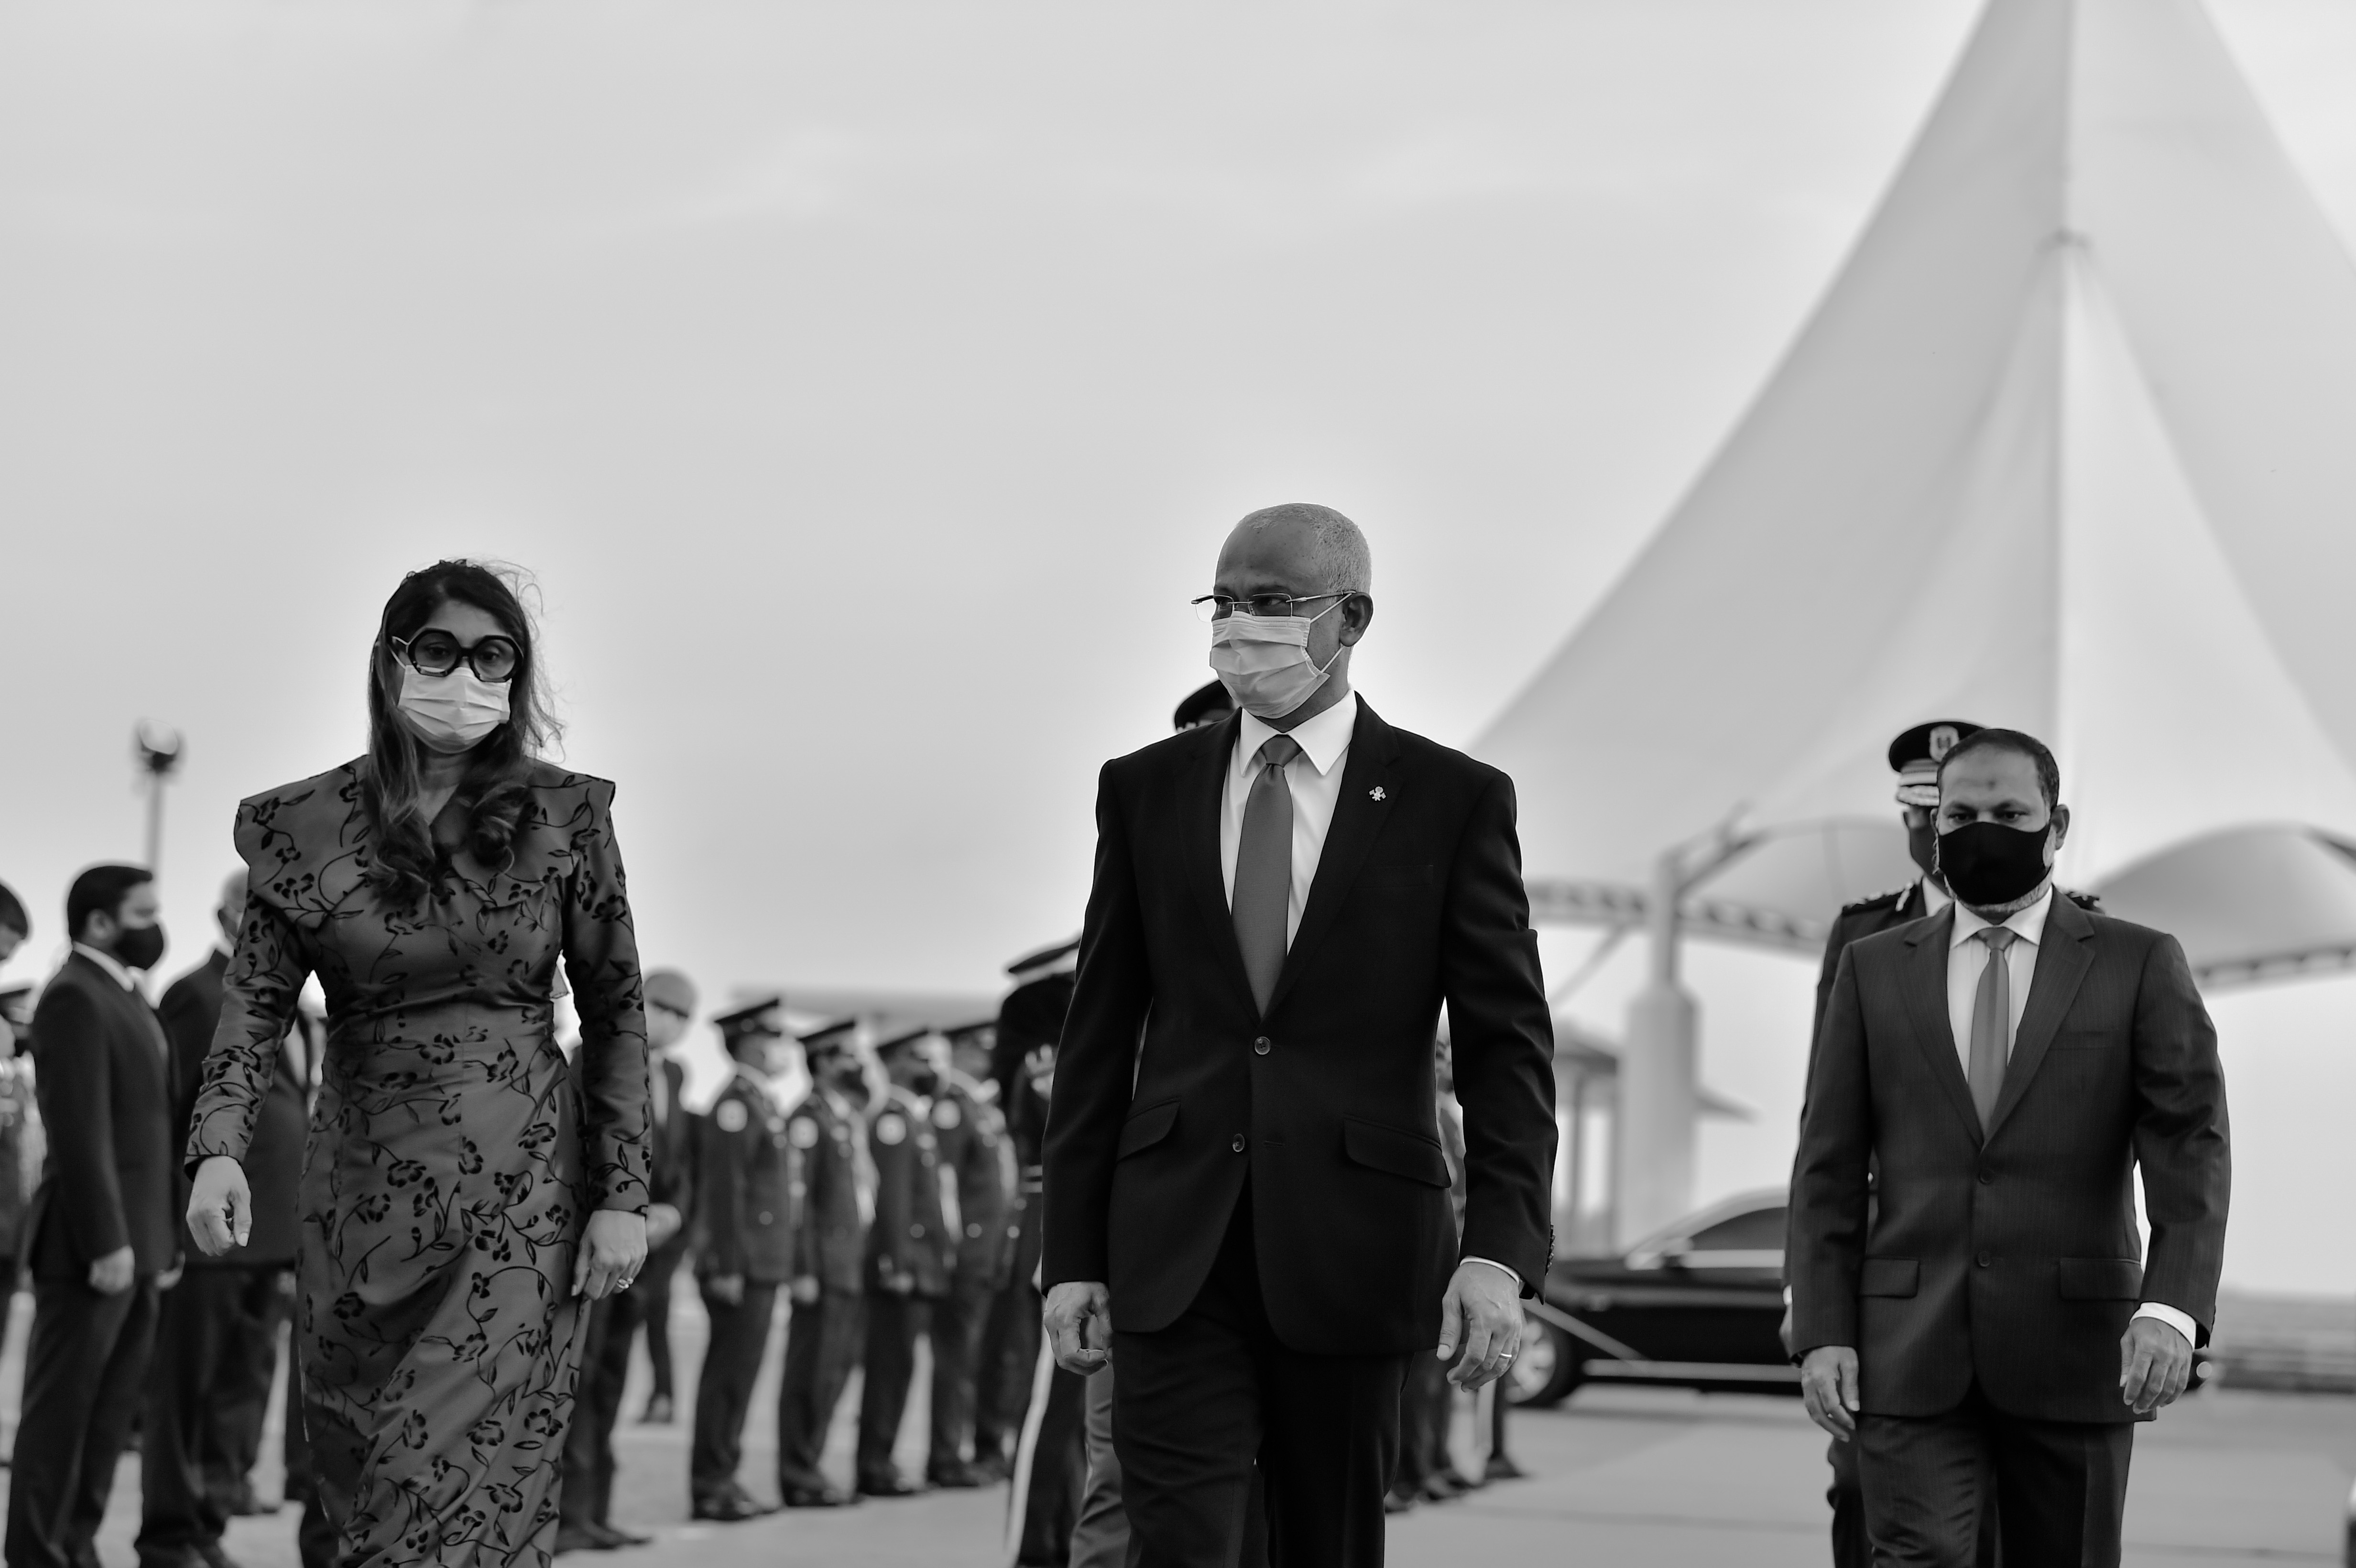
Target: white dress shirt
1316, 779
1967, 959
112, 964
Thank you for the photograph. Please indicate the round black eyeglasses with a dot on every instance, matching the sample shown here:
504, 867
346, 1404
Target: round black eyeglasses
437, 653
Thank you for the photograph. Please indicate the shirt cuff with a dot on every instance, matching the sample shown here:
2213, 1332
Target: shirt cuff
1493, 1263
2180, 1321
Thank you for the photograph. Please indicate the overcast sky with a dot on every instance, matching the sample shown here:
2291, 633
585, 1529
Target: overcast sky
868, 388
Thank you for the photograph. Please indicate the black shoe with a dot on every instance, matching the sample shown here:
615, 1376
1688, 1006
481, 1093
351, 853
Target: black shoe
1502, 1468
724, 1509
956, 1477
242, 1504
613, 1537
1444, 1487
887, 1487
991, 1469
658, 1412
817, 1497
577, 1538
1400, 1499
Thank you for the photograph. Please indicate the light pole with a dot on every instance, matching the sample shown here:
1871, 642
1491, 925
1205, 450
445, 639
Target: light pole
158, 749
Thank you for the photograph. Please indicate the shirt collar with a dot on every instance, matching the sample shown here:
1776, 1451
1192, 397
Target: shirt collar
1934, 897
2029, 923
108, 962
1322, 739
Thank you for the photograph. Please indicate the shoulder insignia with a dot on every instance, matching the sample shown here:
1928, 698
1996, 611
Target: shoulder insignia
1879, 901
945, 1115
890, 1129
2084, 901
803, 1132
730, 1115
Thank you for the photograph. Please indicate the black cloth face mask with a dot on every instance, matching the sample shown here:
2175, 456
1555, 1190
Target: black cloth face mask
1986, 863
139, 946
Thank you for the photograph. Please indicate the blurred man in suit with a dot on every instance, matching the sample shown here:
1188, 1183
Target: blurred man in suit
584, 1504
217, 1333
105, 1234
671, 1010
1250, 1214
2003, 1068
14, 924
823, 1337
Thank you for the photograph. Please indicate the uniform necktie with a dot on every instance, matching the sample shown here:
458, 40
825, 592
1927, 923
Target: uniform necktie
1264, 868
1991, 1022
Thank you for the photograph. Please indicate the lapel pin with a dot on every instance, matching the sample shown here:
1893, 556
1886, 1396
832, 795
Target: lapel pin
1376, 793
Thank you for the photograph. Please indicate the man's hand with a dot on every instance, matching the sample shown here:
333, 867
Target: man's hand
2155, 1363
111, 1275
171, 1276
726, 1288
1483, 1313
1078, 1320
1828, 1387
662, 1224
612, 1249
803, 1290
221, 1208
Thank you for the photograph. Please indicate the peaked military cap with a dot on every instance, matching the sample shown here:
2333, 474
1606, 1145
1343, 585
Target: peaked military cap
1916, 757
751, 1017
1206, 704
1061, 959
835, 1036
909, 1038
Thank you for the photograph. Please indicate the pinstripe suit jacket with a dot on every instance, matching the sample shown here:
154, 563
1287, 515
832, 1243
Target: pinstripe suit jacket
2012, 1258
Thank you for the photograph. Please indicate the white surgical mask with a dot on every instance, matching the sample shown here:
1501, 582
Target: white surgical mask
1264, 662
453, 712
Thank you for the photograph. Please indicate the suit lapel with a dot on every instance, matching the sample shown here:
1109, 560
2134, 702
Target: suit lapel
1358, 819
1202, 795
2063, 959
1926, 1006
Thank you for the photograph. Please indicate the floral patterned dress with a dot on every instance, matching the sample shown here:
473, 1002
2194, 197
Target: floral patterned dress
452, 1161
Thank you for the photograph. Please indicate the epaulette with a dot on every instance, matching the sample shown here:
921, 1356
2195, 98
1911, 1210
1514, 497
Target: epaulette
1879, 901
2084, 901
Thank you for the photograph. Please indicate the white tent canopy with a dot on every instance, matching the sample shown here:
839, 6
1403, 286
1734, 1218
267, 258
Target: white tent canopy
2070, 447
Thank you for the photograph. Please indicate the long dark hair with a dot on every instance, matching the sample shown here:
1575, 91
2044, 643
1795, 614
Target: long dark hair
492, 788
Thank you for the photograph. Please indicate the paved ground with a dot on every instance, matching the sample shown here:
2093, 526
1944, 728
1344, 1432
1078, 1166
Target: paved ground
1640, 1478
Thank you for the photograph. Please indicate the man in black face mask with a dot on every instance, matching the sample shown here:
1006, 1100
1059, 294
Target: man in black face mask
105, 1230
1988, 1320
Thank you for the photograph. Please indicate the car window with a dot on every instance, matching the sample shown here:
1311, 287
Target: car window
1759, 1231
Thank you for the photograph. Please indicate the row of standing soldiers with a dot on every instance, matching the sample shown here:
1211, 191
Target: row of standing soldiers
888, 1191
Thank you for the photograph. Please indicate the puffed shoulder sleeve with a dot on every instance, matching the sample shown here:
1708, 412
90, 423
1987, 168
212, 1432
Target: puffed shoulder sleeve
600, 960
264, 980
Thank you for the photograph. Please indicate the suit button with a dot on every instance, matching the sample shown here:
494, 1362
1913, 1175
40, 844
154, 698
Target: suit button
1261, 1046
1984, 1260
1239, 1144
916, 1230
1985, 1180
973, 1232
764, 1216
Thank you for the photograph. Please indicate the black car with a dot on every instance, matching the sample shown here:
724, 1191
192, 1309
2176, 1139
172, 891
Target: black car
1697, 1305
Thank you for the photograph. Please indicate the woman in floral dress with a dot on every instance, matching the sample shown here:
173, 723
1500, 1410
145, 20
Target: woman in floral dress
463, 1192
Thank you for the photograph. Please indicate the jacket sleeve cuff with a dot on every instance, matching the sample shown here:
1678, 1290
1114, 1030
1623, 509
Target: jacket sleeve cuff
2180, 1321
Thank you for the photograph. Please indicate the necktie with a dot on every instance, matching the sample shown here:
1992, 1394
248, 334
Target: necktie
1991, 1022
1264, 868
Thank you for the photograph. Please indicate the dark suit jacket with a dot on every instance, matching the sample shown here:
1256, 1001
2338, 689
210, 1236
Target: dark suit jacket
2013, 1259
190, 1012
1327, 1103
113, 1168
974, 1145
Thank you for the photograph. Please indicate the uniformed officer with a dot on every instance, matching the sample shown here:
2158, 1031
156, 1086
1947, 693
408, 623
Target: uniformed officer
911, 1249
1029, 1022
838, 1206
747, 1170
974, 1146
